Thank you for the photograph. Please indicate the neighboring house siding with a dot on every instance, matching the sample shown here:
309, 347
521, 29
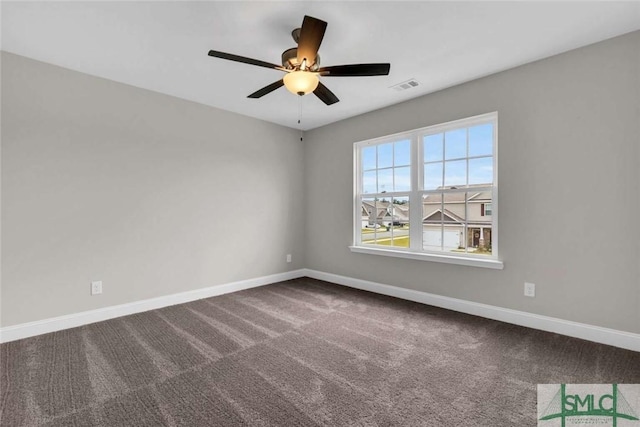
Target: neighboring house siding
455, 212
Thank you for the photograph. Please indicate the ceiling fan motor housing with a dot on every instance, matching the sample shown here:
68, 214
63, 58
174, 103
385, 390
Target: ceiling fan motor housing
296, 34
290, 60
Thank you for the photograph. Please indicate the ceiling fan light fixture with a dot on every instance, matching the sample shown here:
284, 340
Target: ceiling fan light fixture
301, 82
302, 65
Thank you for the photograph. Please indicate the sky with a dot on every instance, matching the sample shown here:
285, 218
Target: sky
445, 159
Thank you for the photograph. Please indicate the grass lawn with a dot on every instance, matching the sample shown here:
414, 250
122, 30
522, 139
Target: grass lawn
402, 242
372, 230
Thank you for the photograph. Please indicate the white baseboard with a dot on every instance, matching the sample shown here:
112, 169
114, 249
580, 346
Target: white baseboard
25, 330
597, 334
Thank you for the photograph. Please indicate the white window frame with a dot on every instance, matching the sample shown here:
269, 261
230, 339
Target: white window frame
415, 251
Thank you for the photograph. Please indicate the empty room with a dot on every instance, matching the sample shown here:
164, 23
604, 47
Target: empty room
320, 213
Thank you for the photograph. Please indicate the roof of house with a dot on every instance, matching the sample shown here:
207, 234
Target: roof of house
400, 211
438, 217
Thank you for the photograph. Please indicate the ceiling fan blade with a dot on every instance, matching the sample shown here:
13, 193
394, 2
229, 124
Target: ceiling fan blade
243, 59
325, 94
311, 34
267, 89
356, 70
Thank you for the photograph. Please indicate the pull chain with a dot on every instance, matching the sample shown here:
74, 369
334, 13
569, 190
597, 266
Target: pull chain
300, 115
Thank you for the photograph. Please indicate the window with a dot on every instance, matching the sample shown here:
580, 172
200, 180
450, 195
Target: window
430, 193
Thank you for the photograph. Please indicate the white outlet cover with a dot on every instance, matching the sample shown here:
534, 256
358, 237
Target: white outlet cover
96, 288
529, 289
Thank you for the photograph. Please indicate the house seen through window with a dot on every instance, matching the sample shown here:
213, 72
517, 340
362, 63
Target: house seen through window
431, 190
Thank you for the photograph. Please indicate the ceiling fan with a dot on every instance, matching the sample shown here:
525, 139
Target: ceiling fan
302, 65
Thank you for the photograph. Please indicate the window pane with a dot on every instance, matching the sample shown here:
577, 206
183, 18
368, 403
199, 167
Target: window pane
432, 176
402, 179
479, 227
385, 155
399, 224
369, 221
432, 222
369, 182
453, 221
481, 170
455, 143
385, 180
481, 140
433, 146
402, 153
369, 158
455, 173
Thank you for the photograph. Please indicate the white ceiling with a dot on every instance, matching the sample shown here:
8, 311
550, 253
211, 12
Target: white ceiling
162, 46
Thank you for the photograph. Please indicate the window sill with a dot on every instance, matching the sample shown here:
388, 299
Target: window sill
447, 259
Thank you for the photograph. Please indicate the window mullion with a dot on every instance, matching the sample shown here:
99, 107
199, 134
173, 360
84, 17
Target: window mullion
357, 184
466, 222
415, 199
494, 190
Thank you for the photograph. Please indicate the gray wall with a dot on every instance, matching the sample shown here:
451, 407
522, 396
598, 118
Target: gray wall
568, 188
151, 194
156, 195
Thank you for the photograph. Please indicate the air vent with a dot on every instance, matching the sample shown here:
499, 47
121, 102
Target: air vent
411, 83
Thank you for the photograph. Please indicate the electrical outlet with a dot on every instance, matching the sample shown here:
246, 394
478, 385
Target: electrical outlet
529, 289
96, 288
288, 257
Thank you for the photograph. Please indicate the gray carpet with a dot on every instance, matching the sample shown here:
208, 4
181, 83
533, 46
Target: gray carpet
297, 353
